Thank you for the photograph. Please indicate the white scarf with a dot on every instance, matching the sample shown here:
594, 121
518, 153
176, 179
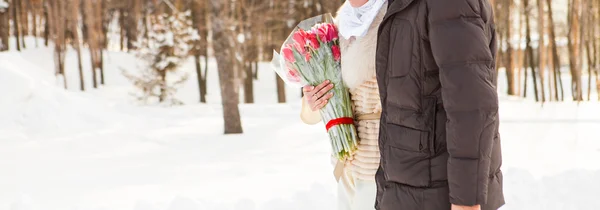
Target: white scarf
356, 21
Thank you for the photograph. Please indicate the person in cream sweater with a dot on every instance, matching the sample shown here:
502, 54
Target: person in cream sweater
358, 22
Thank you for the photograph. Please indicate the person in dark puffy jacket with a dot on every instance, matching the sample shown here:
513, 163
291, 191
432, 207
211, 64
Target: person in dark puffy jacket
439, 140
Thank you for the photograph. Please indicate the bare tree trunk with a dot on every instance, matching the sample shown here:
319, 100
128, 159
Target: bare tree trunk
280, 90
102, 43
531, 62
59, 57
100, 65
248, 84
105, 22
541, 48
525, 76
16, 23
24, 26
589, 67
500, 33
200, 23
63, 50
549, 56
529, 52
24, 6
521, 84
4, 29
132, 17
509, 66
122, 29
552, 91
555, 59
56, 11
76, 39
583, 8
573, 44
35, 26
596, 47
46, 25
588, 41
597, 73
280, 84
222, 45
163, 86
201, 79
93, 20
94, 54
204, 86
84, 17
594, 38
551, 72
274, 36
255, 70
500, 61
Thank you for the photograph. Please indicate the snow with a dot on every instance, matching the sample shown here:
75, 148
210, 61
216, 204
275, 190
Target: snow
290, 23
241, 38
67, 149
3, 5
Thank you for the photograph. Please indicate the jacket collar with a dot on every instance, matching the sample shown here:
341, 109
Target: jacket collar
396, 6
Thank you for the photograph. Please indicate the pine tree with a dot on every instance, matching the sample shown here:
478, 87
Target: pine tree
167, 45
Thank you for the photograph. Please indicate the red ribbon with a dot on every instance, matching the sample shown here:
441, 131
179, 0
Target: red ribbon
339, 121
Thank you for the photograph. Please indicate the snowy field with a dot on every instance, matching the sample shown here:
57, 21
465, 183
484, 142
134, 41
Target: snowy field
68, 150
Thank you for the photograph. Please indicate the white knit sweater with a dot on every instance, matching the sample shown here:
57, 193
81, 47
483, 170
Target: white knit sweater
358, 70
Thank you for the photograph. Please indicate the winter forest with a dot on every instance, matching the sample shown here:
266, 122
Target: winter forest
128, 104
164, 33
549, 49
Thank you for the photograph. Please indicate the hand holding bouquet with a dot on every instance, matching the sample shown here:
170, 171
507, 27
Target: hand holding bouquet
310, 56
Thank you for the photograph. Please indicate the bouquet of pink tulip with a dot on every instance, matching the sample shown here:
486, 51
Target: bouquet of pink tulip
311, 55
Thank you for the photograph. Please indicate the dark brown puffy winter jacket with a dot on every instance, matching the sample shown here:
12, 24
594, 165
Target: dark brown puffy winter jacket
439, 137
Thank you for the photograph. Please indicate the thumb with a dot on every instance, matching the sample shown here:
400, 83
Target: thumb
308, 88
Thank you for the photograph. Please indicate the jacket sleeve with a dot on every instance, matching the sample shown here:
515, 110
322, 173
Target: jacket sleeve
462, 44
307, 115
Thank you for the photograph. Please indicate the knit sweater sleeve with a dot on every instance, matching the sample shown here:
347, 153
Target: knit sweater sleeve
307, 115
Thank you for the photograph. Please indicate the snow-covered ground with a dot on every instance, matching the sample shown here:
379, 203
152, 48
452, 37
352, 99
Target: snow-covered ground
96, 150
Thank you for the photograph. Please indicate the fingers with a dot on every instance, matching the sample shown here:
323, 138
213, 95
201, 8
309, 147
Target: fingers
320, 90
321, 86
317, 97
323, 91
307, 89
321, 102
